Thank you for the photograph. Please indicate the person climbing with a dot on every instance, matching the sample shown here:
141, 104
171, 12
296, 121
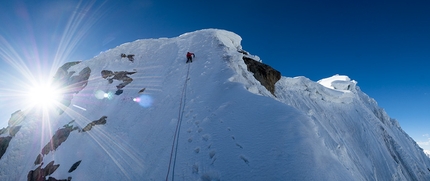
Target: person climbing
190, 57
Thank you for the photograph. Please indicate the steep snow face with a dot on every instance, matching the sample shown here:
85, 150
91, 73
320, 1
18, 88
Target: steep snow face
208, 120
359, 134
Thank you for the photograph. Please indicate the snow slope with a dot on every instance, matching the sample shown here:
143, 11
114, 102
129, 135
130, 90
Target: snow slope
227, 126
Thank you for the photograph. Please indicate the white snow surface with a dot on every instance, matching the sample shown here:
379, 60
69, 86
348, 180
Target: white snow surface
427, 152
230, 126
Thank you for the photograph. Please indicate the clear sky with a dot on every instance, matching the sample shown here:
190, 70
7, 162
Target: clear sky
383, 45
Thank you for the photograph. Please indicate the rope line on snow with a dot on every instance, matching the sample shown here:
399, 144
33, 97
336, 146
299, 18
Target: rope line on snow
178, 128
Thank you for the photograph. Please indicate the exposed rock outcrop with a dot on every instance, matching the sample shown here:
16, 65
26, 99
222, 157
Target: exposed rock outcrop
39, 174
62, 73
4, 143
74, 166
121, 76
13, 130
265, 74
141, 91
78, 82
72, 84
130, 56
59, 137
54, 179
39, 159
101, 121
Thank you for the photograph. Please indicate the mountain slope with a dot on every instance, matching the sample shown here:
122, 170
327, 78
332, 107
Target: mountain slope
208, 120
355, 129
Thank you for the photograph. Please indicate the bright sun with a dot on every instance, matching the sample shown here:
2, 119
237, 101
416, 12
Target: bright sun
44, 96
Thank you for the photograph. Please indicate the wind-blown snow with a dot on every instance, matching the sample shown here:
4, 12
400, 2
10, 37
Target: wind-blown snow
231, 127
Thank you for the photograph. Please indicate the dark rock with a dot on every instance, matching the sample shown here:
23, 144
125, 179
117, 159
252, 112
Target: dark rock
243, 52
40, 173
50, 168
59, 137
36, 175
141, 91
3, 130
102, 120
72, 83
62, 74
74, 166
80, 81
89, 126
130, 57
265, 74
121, 76
106, 73
13, 130
39, 159
4, 143
54, 179
119, 92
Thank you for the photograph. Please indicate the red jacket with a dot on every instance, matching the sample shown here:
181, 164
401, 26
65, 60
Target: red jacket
189, 54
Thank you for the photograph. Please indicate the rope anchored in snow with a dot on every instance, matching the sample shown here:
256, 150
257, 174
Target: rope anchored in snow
178, 128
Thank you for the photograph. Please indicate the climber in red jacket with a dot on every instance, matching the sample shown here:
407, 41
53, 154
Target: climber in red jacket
190, 57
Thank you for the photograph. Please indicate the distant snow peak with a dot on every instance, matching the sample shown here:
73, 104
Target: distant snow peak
338, 82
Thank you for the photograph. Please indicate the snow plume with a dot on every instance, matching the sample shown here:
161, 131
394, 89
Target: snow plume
158, 118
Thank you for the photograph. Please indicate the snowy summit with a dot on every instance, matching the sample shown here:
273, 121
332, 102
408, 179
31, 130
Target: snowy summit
140, 112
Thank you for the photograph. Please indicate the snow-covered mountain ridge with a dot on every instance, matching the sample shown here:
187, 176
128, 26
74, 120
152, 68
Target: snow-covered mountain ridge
206, 120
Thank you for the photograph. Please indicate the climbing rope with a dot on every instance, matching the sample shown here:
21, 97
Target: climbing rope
178, 128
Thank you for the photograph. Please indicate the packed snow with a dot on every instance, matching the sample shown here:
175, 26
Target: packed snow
229, 127
427, 153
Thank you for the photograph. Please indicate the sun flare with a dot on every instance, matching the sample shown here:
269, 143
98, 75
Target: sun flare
46, 96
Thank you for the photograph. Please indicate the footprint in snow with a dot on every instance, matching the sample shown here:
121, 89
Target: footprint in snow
197, 150
205, 137
244, 159
212, 154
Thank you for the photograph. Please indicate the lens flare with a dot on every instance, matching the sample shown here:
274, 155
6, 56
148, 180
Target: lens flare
144, 100
102, 95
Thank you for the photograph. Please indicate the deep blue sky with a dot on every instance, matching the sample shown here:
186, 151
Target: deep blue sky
384, 45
